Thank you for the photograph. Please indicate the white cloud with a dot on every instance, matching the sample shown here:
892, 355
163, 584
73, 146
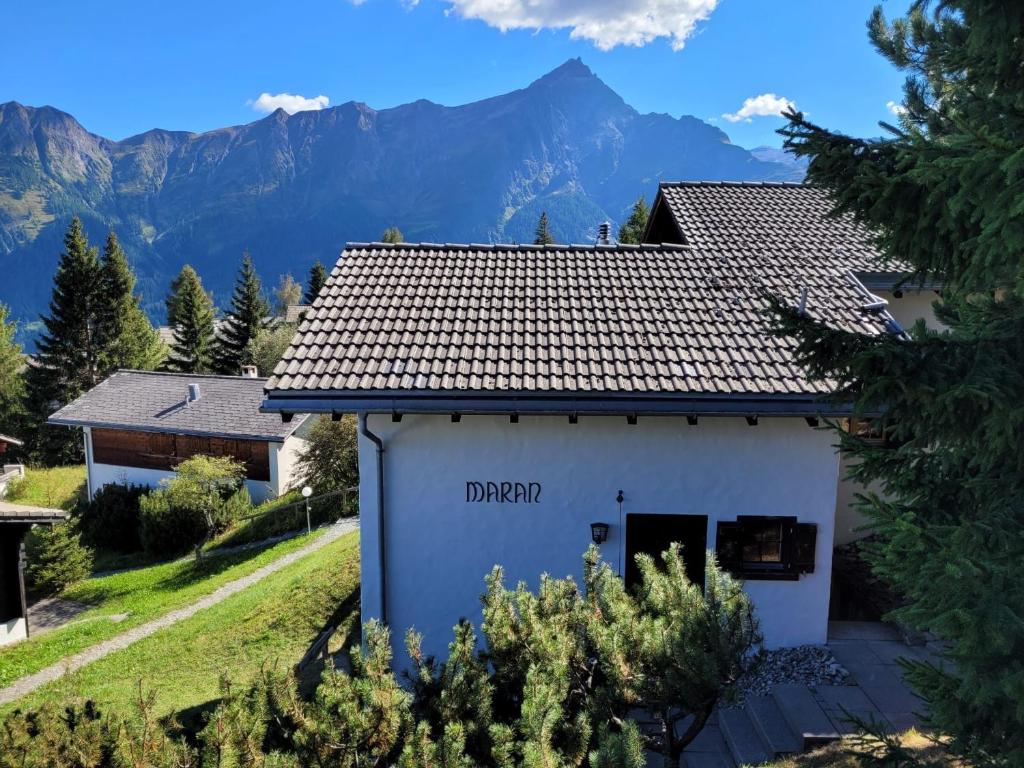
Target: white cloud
606, 23
289, 102
896, 108
764, 105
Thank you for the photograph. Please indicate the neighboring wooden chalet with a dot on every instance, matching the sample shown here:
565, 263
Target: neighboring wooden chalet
139, 425
15, 522
516, 402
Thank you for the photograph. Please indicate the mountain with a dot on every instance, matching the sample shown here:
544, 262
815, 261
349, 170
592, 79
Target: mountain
795, 167
295, 188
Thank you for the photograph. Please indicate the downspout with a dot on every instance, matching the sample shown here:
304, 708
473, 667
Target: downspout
382, 548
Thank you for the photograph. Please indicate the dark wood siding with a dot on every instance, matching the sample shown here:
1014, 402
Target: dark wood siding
159, 450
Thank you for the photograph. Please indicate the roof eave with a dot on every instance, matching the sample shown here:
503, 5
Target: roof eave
191, 432
552, 404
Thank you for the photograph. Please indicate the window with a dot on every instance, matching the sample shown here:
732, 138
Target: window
762, 547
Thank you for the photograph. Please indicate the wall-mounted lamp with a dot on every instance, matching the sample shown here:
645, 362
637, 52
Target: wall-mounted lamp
599, 532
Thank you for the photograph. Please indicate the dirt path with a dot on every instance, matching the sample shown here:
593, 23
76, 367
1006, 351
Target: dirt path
29, 683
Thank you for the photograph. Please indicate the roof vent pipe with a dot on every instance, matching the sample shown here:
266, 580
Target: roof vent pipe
604, 233
193, 393
802, 309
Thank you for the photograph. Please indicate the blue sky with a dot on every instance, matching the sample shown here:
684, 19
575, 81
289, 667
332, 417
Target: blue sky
123, 67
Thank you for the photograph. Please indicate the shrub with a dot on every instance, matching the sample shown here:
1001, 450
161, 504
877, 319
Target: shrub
111, 520
56, 559
203, 498
330, 459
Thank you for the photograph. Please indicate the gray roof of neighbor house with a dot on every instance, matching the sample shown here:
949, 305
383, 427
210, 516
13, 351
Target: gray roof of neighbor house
148, 401
411, 323
10, 440
22, 513
293, 312
765, 215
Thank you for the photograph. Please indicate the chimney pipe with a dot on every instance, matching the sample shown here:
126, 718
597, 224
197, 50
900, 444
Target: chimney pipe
250, 372
604, 233
193, 393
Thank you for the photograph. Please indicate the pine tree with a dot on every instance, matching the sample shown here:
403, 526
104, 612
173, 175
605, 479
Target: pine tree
392, 235
317, 280
543, 234
944, 191
632, 231
193, 346
12, 385
127, 338
248, 315
69, 357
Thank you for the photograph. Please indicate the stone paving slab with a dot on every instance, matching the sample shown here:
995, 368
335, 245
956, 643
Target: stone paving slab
51, 613
861, 630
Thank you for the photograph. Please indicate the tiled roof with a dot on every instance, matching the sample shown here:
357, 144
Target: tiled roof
542, 320
768, 216
228, 406
293, 312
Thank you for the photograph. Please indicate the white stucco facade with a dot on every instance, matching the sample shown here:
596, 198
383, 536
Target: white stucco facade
283, 458
911, 306
12, 631
439, 546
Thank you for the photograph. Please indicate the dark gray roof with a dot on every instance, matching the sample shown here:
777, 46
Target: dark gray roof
768, 216
411, 320
22, 513
228, 406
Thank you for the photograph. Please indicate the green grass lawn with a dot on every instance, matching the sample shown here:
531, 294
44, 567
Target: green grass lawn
143, 594
51, 487
272, 622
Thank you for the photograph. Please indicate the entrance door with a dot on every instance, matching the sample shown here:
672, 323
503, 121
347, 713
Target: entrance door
651, 534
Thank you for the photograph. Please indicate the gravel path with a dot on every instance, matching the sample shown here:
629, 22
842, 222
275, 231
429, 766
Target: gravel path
29, 683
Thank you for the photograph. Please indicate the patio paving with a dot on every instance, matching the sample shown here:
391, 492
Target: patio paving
870, 651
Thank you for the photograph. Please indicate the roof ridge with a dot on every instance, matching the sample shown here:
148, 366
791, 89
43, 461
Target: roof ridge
519, 246
190, 375
755, 184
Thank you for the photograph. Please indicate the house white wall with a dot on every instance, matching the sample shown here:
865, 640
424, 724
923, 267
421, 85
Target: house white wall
12, 631
439, 547
912, 306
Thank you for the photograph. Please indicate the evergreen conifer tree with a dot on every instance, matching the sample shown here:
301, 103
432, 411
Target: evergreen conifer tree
392, 235
193, 345
317, 280
69, 355
944, 192
127, 338
632, 230
12, 385
247, 317
543, 233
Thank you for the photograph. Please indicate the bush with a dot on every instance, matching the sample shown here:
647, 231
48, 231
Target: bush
330, 460
204, 497
111, 520
56, 559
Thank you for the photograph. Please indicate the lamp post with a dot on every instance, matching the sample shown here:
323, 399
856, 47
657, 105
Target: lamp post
306, 493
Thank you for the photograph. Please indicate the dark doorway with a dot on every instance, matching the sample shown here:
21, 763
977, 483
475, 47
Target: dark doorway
652, 534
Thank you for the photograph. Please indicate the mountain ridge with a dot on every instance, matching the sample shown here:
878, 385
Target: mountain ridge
294, 188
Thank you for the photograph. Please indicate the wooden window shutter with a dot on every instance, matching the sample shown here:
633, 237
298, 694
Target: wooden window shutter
806, 541
729, 546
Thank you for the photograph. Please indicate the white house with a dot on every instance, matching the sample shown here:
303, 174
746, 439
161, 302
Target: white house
138, 425
778, 218
510, 397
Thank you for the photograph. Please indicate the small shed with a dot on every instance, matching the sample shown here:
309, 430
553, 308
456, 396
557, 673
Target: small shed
15, 522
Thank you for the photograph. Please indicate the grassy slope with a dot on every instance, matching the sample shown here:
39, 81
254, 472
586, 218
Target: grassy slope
272, 622
53, 487
143, 594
